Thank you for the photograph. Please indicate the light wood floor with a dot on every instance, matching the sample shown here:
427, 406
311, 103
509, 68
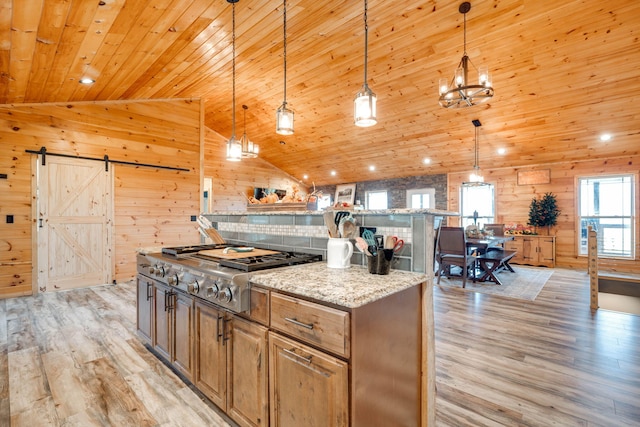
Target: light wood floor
73, 359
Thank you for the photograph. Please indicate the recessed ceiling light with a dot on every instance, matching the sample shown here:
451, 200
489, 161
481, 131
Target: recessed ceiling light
333, 173
426, 160
87, 81
372, 168
305, 176
605, 137
502, 151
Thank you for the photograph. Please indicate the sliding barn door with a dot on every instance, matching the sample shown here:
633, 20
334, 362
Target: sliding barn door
74, 224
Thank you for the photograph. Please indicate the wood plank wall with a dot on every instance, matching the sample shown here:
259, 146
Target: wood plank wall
233, 182
512, 203
152, 206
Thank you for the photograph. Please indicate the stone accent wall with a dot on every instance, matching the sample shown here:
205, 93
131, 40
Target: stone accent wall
397, 189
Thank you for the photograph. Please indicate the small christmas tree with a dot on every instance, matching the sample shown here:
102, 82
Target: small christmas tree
544, 212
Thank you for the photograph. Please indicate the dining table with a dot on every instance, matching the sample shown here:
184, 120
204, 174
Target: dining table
488, 266
483, 243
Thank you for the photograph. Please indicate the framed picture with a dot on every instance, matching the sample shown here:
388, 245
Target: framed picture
345, 193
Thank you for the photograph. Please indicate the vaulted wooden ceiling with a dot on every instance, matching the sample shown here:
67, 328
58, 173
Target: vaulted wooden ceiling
563, 71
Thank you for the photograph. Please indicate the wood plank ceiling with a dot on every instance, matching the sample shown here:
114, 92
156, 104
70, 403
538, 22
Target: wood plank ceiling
563, 73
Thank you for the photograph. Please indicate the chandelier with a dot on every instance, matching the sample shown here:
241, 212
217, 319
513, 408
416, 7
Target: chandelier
234, 146
284, 116
364, 104
249, 149
459, 92
475, 178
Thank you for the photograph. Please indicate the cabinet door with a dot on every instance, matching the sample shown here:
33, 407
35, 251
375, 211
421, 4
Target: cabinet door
516, 246
211, 355
306, 387
546, 251
247, 391
529, 251
144, 307
183, 336
162, 314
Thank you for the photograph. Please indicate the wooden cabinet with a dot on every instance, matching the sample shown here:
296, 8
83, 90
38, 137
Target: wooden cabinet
358, 367
231, 364
173, 336
307, 387
247, 380
313, 323
163, 328
183, 336
533, 250
144, 296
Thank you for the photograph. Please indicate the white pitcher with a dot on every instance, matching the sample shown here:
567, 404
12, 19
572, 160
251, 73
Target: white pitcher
339, 251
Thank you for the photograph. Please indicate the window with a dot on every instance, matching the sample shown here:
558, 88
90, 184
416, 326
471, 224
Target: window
477, 205
422, 198
376, 200
606, 203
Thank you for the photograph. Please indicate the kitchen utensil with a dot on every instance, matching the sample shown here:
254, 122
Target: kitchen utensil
379, 241
349, 228
330, 223
399, 243
338, 220
361, 244
369, 237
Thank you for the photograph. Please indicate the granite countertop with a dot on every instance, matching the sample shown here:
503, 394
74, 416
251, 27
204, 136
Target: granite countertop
349, 287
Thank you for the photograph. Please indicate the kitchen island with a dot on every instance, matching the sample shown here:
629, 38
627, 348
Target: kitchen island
346, 347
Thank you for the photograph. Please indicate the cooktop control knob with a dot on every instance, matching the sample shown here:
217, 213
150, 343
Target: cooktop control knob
225, 295
193, 287
159, 270
212, 291
173, 280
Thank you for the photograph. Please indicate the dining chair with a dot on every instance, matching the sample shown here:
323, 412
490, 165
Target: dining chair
496, 229
451, 250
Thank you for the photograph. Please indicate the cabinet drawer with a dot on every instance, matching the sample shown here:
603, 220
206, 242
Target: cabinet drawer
316, 324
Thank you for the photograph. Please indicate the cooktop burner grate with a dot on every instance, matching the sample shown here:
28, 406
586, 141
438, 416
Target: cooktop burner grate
263, 262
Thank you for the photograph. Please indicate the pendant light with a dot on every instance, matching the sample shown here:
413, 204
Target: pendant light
475, 178
234, 147
459, 93
284, 116
249, 149
364, 104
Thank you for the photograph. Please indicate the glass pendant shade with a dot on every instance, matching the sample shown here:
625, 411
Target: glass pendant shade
248, 150
234, 149
476, 176
364, 107
284, 120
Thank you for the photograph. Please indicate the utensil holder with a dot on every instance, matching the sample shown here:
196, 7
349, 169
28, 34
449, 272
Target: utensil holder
381, 262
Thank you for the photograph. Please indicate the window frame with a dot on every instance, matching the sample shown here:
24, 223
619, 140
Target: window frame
366, 198
488, 219
430, 192
581, 241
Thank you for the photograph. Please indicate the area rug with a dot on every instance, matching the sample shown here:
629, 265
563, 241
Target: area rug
526, 283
